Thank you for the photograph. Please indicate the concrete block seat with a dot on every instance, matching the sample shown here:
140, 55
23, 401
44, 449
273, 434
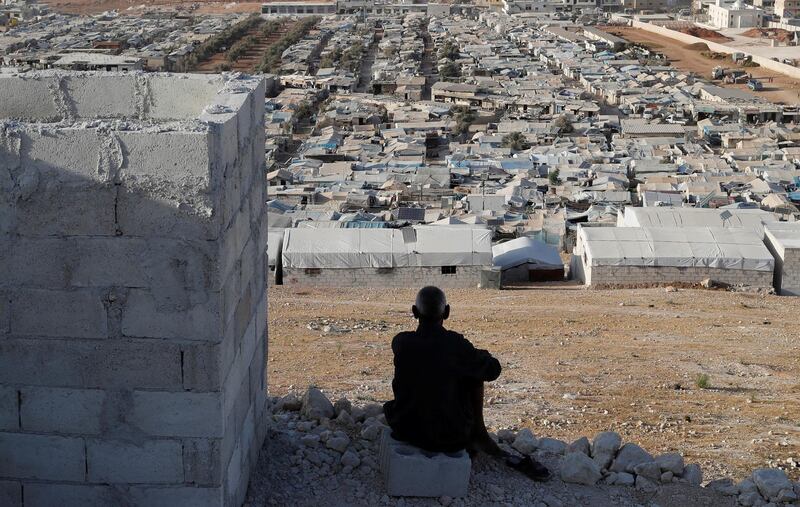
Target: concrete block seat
410, 471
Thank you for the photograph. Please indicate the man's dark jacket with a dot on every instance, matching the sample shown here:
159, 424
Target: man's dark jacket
435, 370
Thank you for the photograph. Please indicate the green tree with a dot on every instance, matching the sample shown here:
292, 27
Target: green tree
564, 124
553, 177
516, 141
449, 71
463, 117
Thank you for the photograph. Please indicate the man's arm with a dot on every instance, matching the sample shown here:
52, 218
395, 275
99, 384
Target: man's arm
475, 363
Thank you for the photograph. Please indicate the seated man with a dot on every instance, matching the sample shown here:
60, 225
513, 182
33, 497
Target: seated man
438, 387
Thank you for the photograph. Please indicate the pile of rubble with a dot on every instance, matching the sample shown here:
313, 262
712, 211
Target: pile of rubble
323, 452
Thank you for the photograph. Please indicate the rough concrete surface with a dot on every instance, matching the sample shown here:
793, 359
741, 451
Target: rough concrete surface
132, 333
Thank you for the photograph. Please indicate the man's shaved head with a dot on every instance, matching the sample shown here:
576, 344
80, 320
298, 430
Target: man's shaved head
431, 305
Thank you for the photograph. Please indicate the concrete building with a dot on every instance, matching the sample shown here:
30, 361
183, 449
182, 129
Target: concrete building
380, 258
620, 256
783, 240
723, 14
133, 311
787, 8
288, 8
647, 5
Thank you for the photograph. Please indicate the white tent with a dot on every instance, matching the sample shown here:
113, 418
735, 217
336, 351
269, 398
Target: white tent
753, 219
386, 248
525, 250
712, 247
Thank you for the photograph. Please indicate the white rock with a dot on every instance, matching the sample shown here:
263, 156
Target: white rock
338, 443
506, 435
649, 470
316, 405
350, 459
693, 474
671, 462
552, 501
525, 442
342, 405
645, 484
310, 440
373, 410
770, 481
290, 403
372, 432
552, 445
666, 477
344, 418
604, 447
580, 445
625, 479
747, 486
724, 486
786, 495
578, 468
610, 478
750, 499
628, 457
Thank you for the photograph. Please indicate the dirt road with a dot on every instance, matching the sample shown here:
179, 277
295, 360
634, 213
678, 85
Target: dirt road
782, 89
579, 361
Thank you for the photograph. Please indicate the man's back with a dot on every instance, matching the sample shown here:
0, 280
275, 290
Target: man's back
434, 371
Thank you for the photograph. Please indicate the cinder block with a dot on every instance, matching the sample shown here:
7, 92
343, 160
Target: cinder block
11, 493
5, 312
201, 461
58, 410
201, 367
410, 471
181, 315
42, 457
21, 98
177, 414
123, 364
180, 99
60, 210
72, 495
153, 496
66, 155
140, 213
9, 409
153, 461
76, 313
179, 157
111, 96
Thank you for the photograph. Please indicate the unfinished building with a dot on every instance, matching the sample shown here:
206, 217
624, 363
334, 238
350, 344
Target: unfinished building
783, 240
620, 256
409, 257
133, 296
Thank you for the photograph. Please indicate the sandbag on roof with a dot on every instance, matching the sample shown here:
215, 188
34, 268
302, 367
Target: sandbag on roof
525, 251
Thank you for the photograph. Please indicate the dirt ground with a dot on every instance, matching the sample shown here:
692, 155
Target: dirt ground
578, 361
782, 89
252, 57
195, 6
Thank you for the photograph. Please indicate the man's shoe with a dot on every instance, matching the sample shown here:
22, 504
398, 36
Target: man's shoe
530, 467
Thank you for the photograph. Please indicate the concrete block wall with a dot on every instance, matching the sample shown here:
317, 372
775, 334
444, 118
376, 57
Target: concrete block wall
465, 277
638, 275
133, 296
787, 267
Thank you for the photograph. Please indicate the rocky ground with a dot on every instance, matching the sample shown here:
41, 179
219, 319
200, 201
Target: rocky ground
578, 362
325, 454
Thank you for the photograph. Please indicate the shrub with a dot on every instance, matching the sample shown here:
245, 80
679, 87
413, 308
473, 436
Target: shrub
703, 381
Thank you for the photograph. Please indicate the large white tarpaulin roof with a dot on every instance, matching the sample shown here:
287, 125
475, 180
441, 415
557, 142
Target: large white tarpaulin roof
525, 250
386, 248
712, 247
753, 219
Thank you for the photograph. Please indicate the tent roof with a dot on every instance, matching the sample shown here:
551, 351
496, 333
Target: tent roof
525, 250
712, 247
386, 248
